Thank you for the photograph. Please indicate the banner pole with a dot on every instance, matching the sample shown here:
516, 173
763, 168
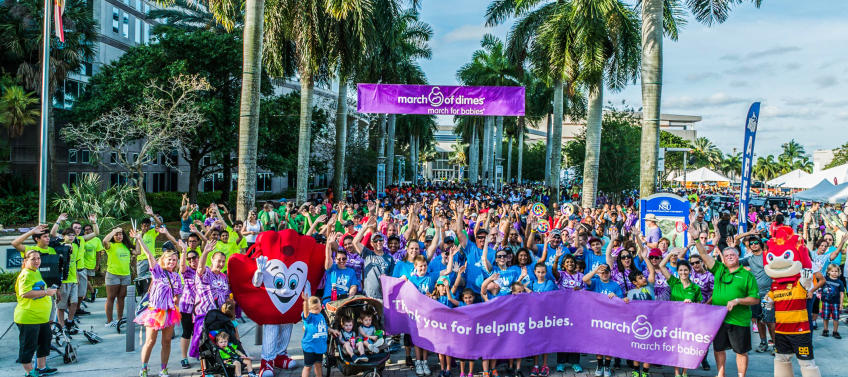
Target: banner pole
45, 114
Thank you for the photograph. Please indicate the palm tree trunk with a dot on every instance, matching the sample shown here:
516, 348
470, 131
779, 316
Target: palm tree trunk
249, 109
509, 159
381, 151
593, 144
556, 140
304, 136
139, 186
473, 156
520, 148
548, 145
487, 147
390, 150
498, 145
652, 36
413, 158
341, 140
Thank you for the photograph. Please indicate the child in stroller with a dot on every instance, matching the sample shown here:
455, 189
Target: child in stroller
347, 338
212, 360
231, 356
369, 337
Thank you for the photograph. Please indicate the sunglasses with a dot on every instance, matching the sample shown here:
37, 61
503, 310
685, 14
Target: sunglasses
695, 263
191, 258
481, 237
625, 257
341, 259
654, 258
501, 256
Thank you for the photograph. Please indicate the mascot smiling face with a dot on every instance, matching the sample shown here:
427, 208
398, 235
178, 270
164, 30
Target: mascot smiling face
289, 264
786, 256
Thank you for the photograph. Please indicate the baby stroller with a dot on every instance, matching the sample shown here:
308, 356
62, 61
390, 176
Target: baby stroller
352, 307
211, 362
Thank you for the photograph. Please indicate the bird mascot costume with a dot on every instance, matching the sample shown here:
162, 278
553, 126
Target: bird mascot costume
267, 283
787, 262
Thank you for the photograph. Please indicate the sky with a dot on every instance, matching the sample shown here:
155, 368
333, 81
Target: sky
790, 55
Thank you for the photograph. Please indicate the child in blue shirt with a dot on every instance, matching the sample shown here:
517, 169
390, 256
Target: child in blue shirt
443, 295
467, 297
314, 342
540, 284
598, 280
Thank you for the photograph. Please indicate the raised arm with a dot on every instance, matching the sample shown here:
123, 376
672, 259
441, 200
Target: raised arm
663, 270
588, 277
314, 224
487, 266
461, 236
328, 252
434, 244
149, 211
92, 218
108, 238
201, 264
485, 284
136, 235
55, 228
456, 282
613, 236
18, 243
709, 261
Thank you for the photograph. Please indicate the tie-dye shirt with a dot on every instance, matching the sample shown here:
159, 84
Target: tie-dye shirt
571, 281
189, 296
213, 288
165, 287
705, 281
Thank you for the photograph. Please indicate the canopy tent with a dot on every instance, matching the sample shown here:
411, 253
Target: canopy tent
702, 175
817, 193
784, 180
839, 194
834, 175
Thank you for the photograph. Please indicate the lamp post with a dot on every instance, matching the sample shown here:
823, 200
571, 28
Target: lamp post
45, 113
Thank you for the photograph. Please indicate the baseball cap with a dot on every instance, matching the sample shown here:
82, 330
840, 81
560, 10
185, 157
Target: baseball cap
428, 238
449, 240
655, 253
443, 280
376, 236
556, 232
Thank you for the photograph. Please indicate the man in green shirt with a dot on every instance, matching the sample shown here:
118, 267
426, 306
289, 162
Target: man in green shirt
735, 288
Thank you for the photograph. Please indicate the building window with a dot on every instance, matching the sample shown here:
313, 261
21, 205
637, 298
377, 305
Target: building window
85, 156
126, 32
146, 32
138, 5
207, 161
116, 19
134, 157
263, 182
72, 178
113, 158
72, 156
137, 31
117, 179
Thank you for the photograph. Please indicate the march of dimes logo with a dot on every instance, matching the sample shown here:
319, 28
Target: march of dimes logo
436, 98
652, 338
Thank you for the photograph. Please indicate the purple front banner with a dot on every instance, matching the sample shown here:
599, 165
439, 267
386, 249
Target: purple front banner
516, 326
440, 99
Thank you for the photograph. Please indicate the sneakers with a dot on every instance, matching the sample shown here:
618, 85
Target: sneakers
32, 373
763, 347
635, 373
560, 368
607, 372
535, 371
518, 373
599, 371
71, 327
81, 311
495, 372
266, 368
836, 335
142, 373
545, 371
184, 364
285, 362
419, 368
46, 371
251, 374
425, 368
409, 362
111, 324
164, 373
645, 374
825, 333
577, 368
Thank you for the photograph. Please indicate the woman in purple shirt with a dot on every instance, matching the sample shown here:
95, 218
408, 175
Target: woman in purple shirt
702, 277
162, 312
212, 287
188, 269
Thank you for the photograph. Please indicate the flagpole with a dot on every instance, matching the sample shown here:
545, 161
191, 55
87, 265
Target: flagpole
45, 109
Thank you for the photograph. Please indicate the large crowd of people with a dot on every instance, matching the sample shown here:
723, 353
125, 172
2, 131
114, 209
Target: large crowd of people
459, 244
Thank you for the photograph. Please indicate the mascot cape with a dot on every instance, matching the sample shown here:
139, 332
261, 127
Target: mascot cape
787, 262
291, 264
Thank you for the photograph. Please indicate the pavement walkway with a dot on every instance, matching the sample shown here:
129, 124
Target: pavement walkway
110, 358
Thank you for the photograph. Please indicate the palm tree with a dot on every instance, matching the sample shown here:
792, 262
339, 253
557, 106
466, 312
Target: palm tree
191, 16
792, 150
705, 152
490, 66
766, 168
468, 128
662, 17
20, 36
18, 110
731, 165
457, 156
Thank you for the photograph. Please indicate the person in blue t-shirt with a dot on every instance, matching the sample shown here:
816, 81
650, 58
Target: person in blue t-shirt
473, 250
339, 281
314, 341
596, 256
507, 274
598, 280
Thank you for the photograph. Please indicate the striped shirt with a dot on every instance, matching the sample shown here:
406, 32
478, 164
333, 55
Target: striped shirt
790, 308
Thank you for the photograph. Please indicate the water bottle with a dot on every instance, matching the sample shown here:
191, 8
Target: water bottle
333, 294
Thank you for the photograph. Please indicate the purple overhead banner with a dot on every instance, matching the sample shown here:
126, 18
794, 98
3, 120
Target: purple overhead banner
440, 99
516, 326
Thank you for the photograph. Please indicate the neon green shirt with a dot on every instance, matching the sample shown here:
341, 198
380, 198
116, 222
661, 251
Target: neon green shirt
149, 239
31, 311
46, 250
92, 247
118, 259
76, 255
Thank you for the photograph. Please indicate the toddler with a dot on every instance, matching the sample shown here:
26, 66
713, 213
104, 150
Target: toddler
314, 342
231, 355
347, 338
833, 293
369, 337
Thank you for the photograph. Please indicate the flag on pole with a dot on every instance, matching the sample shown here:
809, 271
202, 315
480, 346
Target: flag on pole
747, 161
59, 10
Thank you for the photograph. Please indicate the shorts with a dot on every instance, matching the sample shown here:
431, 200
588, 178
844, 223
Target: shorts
310, 359
90, 271
82, 280
830, 311
187, 324
799, 344
733, 337
33, 339
68, 294
117, 279
757, 312
142, 269
407, 340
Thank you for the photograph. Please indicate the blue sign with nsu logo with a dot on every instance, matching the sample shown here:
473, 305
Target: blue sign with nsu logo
672, 212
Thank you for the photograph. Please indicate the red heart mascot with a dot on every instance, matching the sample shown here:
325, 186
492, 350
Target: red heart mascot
267, 283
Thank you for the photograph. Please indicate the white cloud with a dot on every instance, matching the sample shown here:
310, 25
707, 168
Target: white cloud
466, 33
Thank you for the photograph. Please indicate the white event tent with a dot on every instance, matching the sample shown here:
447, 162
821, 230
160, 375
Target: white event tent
702, 175
788, 179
